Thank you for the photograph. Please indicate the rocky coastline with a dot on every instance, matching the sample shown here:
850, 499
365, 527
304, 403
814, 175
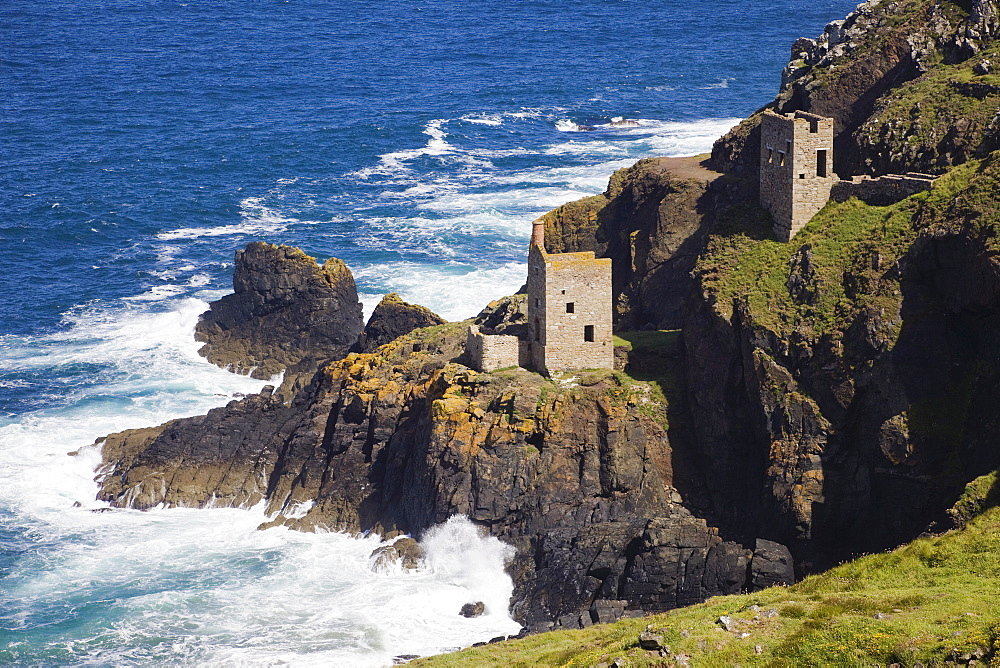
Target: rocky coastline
775, 432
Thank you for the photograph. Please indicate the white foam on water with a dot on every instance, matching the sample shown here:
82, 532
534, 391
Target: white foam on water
205, 587
257, 219
395, 162
126, 367
187, 586
487, 119
722, 83
453, 291
597, 148
157, 293
566, 125
463, 230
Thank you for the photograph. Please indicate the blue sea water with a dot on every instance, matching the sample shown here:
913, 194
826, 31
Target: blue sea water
142, 143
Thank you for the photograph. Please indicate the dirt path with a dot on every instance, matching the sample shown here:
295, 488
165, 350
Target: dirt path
689, 168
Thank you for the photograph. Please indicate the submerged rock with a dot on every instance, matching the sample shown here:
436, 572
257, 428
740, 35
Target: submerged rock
405, 551
473, 609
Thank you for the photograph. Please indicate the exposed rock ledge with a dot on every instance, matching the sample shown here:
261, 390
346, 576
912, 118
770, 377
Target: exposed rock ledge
576, 476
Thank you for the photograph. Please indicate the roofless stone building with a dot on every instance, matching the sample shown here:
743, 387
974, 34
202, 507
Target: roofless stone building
796, 168
569, 316
797, 178
569, 308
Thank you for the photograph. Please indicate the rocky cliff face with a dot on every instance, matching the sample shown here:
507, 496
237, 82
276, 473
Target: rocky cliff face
651, 222
840, 394
904, 83
836, 386
286, 312
577, 476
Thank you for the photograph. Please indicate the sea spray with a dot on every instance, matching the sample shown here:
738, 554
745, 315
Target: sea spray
206, 587
192, 586
466, 557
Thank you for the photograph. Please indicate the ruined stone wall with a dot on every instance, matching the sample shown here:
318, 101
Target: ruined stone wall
536, 304
796, 168
884, 190
489, 352
572, 305
776, 169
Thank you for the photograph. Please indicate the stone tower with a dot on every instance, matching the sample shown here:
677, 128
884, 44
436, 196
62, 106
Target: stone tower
569, 308
796, 168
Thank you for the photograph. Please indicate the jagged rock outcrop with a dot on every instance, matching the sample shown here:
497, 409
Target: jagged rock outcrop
392, 318
287, 312
895, 77
577, 477
223, 457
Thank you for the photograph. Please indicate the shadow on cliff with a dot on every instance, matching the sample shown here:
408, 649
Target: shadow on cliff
924, 421
655, 358
655, 253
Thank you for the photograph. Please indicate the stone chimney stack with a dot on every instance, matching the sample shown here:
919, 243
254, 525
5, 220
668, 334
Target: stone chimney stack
538, 234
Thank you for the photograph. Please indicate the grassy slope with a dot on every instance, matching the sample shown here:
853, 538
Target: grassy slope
948, 99
744, 263
924, 602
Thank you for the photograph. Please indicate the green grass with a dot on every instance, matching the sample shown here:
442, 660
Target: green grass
841, 238
852, 247
979, 495
926, 602
652, 361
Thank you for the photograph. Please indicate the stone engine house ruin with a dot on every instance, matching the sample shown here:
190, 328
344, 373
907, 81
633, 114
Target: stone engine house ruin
796, 168
796, 173
569, 316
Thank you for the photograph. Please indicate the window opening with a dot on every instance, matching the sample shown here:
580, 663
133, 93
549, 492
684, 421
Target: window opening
538, 332
821, 162
570, 307
588, 333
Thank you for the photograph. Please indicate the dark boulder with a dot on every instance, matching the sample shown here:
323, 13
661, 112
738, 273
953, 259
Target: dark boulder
771, 565
607, 611
473, 609
391, 319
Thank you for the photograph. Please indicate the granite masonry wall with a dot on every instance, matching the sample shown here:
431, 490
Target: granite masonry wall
489, 352
569, 310
796, 168
884, 190
569, 316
